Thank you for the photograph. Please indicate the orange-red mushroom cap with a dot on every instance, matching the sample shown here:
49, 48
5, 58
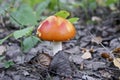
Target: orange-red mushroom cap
56, 28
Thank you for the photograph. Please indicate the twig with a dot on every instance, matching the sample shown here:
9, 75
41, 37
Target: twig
13, 18
93, 37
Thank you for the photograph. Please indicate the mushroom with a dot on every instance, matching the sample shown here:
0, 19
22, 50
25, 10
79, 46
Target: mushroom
56, 29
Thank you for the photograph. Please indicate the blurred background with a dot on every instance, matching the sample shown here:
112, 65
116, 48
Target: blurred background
29, 12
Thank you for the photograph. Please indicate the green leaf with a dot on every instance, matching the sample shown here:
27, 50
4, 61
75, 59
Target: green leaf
2, 57
53, 4
6, 6
2, 11
73, 20
8, 64
41, 7
109, 2
29, 42
23, 32
63, 14
2, 40
93, 5
31, 2
24, 15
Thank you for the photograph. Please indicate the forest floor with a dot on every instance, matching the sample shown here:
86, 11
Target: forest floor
98, 40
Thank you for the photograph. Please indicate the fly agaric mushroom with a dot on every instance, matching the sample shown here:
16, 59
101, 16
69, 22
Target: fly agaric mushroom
56, 29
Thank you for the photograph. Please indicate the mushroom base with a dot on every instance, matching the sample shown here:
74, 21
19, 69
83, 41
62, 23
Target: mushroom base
57, 46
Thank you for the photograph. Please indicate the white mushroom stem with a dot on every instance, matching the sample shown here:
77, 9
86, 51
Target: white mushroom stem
57, 46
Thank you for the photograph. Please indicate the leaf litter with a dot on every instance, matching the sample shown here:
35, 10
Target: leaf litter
66, 63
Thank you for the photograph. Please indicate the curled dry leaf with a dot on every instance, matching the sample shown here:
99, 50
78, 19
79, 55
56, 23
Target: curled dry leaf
97, 40
86, 55
97, 19
90, 50
110, 59
116, 62
2, 49
105, 55
116, 50
42, 59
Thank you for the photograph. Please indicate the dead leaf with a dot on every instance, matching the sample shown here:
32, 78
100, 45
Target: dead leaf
91, 50
60, 64
116, 62
74, 50
76, 59
110, 59
105, 74
97, 19
95, 65
116, 50
2, 49
105, 55
42, 59
87, 77
97, 40
86, 55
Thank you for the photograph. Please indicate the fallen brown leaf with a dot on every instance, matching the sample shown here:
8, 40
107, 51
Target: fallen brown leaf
87, 55
116, 62
97, 40
116, 50
42, 59
105, 55
2, 49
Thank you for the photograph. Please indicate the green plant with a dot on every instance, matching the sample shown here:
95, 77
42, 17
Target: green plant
29, 43
26, 16
20, 34
106, 3
66, 14
6, 63
85, 4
